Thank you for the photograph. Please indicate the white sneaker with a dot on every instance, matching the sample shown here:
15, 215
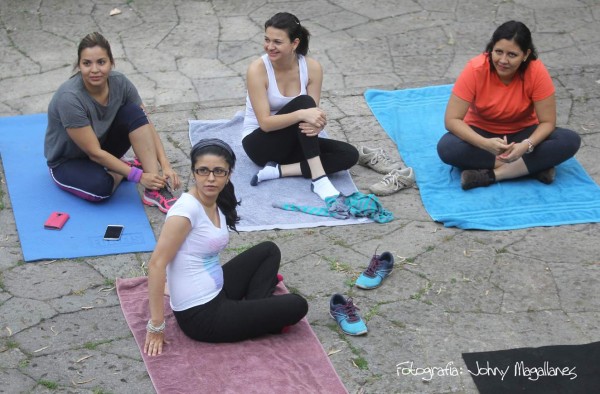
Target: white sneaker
377, 160
393, 182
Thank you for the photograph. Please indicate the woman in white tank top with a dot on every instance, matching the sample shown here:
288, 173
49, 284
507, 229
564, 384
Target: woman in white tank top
283, 119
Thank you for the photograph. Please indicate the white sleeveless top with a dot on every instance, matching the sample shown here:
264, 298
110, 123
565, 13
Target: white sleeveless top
276, 99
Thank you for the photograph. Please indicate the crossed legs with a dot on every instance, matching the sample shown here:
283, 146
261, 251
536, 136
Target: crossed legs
561, 145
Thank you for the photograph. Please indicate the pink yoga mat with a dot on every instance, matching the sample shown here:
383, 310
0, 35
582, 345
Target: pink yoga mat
294, 362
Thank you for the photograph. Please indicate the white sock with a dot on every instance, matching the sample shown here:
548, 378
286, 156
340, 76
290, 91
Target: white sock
270, 171
324, 188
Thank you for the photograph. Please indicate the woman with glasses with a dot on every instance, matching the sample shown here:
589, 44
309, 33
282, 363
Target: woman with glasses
214, 303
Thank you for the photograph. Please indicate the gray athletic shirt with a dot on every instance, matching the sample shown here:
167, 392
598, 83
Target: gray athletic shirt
73, 107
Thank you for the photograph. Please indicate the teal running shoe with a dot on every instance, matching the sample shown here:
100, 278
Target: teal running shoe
344, 313
379, 268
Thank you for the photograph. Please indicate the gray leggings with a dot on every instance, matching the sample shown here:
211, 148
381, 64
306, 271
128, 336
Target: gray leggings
561, 145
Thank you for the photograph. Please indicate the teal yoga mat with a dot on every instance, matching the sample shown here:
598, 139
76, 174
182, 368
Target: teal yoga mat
414, 119
34, 196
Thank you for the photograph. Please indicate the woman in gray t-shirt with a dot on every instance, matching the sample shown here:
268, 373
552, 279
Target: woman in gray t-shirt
93, 120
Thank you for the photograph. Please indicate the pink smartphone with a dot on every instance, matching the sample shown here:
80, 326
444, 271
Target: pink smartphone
56, 220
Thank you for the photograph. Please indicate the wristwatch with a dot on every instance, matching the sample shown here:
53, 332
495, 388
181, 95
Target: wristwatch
530, 149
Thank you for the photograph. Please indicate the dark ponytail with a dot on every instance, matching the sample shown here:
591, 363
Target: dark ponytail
291, 24
226, 201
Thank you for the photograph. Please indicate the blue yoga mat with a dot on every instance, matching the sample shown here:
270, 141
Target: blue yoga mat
414, 119
34, 196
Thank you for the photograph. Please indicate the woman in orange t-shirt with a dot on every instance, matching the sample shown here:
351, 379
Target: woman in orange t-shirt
501, 115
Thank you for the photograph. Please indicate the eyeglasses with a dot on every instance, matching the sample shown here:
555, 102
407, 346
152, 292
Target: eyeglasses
217, 172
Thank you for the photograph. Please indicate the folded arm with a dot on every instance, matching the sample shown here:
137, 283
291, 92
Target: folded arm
257, 83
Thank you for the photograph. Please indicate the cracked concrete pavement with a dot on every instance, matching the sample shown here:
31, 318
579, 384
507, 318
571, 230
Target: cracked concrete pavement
453, 291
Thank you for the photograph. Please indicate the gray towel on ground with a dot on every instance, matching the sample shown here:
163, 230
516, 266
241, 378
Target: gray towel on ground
256, 210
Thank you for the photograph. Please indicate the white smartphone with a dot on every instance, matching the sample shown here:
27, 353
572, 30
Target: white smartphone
113, 232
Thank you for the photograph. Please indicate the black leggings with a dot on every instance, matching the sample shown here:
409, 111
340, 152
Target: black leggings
246, 307
561, 145
289, 145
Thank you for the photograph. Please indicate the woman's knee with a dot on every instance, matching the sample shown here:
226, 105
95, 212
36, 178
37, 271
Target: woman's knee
130, 110
350, 158
303, 101
250, 145
268, 249
353, 156
131, 116
298, 304
572, 140
561, 145
272, 249
337, 155
446, 149
342, 151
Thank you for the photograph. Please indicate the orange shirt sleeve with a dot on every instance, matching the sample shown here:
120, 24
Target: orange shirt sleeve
542, 86
465, 86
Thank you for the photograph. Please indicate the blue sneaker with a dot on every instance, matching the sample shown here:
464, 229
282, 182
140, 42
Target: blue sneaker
379, 268
344, 313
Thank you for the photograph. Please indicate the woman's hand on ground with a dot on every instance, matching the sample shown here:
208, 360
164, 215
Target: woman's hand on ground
309, 129
315, 116
154, 343
153, 181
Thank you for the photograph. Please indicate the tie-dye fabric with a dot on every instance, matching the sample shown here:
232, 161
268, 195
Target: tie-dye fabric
357, 205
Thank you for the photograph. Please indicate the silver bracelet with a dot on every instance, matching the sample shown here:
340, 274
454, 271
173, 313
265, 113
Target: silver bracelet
156, 330
530, 145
